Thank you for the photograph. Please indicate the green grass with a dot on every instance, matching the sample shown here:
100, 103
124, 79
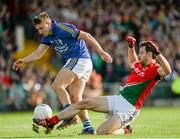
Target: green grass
151, 123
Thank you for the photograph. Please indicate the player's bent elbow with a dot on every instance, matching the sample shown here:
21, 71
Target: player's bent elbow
168, 71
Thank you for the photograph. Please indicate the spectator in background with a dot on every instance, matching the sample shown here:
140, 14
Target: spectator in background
16, 97
176, 87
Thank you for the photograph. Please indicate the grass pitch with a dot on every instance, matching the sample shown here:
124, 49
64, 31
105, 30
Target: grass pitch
151, 123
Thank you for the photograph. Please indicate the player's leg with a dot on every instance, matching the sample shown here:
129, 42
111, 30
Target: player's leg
116, 128
113, 126
123, 111
125, 130
76, 92
64, 78
110, 126
99, 104
82, 69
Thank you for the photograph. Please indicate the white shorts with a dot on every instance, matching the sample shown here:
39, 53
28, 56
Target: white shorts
119, 105
80, 66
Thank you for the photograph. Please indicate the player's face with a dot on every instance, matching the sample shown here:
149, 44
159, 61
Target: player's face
143, 55
43, 28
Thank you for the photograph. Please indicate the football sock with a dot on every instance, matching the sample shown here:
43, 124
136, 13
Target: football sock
66, 105
54, 120
87, 126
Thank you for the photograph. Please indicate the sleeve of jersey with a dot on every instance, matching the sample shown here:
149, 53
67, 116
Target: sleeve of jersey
137, 64
154, 72
70, 30
44, 40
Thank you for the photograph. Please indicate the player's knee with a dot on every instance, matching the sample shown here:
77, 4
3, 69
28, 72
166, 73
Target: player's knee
75, 98
57, 87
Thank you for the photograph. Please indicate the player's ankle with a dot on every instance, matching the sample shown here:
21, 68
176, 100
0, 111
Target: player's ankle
90, 129
65, 106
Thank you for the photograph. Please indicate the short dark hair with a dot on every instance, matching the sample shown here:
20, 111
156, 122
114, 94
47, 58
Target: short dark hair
148, 47
38, 18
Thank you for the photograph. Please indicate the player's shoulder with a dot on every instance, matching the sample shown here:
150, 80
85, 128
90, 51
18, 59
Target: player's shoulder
154, 67
65, 26
57, 25
137, 63
154, 64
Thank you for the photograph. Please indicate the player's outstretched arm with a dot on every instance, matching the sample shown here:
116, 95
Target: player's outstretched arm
132, 56
90, 40
32, 57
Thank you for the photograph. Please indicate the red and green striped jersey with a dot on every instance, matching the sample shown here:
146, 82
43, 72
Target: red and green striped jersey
140, 83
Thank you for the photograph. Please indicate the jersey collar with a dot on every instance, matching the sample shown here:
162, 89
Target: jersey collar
54, 23
53, 26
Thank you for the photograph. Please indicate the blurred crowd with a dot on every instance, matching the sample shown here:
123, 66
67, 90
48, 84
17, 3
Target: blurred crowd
109, 21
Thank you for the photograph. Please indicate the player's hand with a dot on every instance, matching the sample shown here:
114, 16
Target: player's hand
106, 57
155, 47
18, 64
131, 41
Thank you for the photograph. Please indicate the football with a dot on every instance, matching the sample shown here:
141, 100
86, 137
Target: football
42, 111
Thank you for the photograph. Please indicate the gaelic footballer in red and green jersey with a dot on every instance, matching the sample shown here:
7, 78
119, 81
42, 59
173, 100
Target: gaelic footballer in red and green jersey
140, 83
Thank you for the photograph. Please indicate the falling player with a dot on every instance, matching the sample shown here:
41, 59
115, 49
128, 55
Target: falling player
123, 108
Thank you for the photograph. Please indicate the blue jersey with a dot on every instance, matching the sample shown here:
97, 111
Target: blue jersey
64, 40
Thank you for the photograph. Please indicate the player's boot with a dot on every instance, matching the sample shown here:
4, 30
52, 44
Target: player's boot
88, 132
45, 123
35, 128
67, 122
128, 129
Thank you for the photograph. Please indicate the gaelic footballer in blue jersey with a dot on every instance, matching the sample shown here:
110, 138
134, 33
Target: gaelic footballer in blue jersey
70, 42
64, 40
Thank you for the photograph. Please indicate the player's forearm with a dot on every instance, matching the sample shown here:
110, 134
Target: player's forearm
32, 57
164, 64
92, 42
132, 57
36, 54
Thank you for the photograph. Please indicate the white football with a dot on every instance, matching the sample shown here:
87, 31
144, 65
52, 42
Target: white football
42, 111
